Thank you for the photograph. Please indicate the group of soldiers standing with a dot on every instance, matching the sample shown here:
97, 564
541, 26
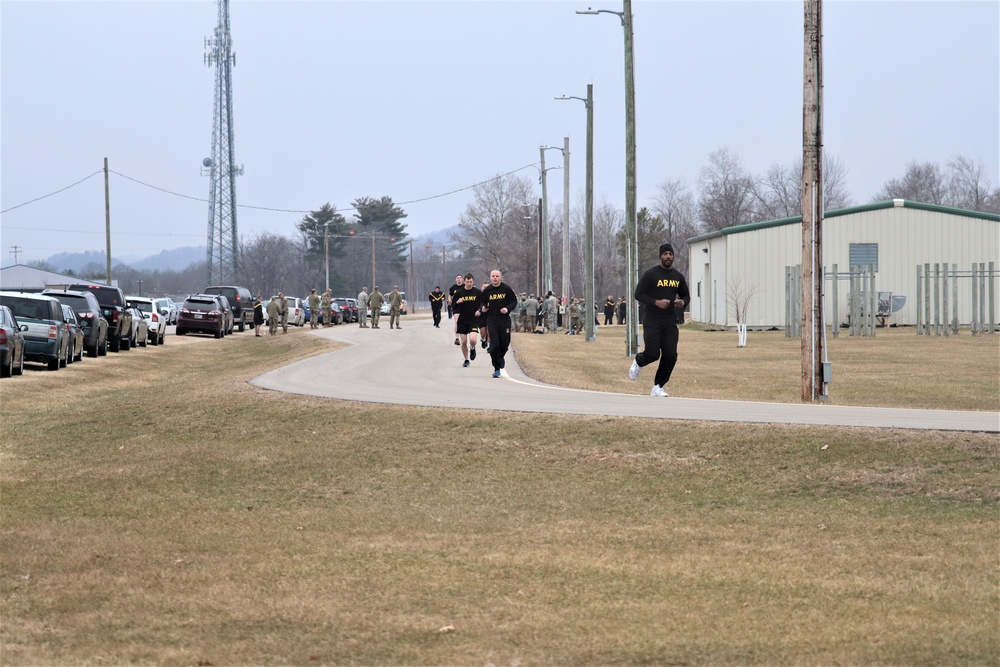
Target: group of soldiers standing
550, 315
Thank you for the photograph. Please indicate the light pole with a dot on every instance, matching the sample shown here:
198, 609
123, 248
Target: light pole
326, 251
588, 268
545, 213
631, 231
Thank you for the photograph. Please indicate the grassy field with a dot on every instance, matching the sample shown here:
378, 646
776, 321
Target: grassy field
179, 516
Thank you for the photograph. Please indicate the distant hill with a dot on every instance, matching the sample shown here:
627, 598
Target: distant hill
176, 259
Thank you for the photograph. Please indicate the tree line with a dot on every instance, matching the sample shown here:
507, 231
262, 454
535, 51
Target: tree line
499, 228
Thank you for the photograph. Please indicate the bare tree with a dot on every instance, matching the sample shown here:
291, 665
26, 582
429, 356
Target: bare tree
923, 182
609, 272
739, 296
779, 191
674, 205
500, 228
969, 187
268, 262
727, 192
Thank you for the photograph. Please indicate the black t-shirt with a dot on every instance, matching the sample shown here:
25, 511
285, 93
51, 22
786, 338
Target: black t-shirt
659, 283
466, 303
436, 298
495, 298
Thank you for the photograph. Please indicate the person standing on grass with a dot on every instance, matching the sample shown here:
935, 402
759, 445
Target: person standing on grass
283, 305
497, 303
622, 307
437, 300
459, 281
273, 316
326, 303
258, 315
661, 290
466, 307
609, 310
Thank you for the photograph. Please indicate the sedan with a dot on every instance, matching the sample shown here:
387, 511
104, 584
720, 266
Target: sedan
76, 335
140, 329
11, 344
156, 321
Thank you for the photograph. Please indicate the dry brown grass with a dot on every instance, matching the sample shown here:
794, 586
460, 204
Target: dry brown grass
145, 522
896, 368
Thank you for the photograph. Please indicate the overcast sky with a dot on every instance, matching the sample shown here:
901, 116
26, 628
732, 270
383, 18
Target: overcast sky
339, 100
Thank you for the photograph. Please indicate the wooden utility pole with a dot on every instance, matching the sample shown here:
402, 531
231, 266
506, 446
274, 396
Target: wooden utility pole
812, 337
107, 218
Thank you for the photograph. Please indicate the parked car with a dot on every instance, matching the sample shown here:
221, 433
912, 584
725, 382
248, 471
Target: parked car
113, 308
140, 329
168, 308
227, 308
343, 306
88, 313
156, 321
354, 309
240, 301
201, 313
296, 310
11, 344
43, 325
75, 332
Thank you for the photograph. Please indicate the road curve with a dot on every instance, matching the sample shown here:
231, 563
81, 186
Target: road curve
419, 365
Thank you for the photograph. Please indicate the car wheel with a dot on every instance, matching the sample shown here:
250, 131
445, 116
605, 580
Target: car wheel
163, 338
145, 340
218, 334
125, 344
102, 349
79, 354
64, 362
243, 326
54, 364
115, 344
20, 366
8, 369
70, 354
180, 331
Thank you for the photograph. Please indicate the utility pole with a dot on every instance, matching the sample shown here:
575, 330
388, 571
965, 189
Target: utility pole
565, 230
588, 282
14, 251
539, 262
412, 288
326, 251
631, 220
813, 322
107, 218
546, 238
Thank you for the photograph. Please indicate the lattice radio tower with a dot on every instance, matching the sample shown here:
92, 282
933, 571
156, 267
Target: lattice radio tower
221, 168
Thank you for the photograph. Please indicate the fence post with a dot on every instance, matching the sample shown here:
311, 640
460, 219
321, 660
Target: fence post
954, 297
973, 326
982, 297
835, 292
992, 299
872, 301
944, 298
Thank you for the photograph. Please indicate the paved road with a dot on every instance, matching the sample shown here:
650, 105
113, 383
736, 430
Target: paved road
419, 365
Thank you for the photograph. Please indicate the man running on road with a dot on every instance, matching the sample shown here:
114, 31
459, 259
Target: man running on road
497, 302
466, 305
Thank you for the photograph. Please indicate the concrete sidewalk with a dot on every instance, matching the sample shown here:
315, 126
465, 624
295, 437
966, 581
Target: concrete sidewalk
420, 365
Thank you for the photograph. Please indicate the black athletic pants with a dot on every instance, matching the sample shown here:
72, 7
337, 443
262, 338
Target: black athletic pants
659, 341
437, 314
498, 327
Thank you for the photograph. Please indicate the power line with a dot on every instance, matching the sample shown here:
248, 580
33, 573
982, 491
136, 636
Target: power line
261, 208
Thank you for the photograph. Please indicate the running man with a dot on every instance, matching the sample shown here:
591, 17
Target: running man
466, 306
497, 303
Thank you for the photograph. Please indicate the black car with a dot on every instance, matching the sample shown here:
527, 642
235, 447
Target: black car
88, 313
75, 335
114, 310
240, 302
11, 344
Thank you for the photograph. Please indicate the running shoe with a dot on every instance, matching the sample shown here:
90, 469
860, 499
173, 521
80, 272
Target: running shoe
633, 372
472, 353
496, 373
658, 391
457, 342
466, 364
484, 344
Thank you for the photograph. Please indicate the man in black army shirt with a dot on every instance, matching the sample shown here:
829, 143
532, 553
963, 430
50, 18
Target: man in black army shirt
497, 303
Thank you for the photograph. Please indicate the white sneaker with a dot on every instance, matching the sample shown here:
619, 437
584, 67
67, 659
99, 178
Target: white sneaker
633, 372
658, 391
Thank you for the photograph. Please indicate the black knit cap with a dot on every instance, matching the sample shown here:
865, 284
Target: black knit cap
665, 247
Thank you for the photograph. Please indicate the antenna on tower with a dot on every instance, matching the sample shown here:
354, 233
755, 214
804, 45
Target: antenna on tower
221, 168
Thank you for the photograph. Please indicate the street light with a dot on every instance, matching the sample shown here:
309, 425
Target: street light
546, 241
565, 227
588, 280
631, 225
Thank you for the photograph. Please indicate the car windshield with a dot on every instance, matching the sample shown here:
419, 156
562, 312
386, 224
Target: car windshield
144, 306
25, 308
3, 317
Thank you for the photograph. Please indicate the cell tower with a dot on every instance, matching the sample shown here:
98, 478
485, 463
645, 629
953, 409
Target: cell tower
221, 168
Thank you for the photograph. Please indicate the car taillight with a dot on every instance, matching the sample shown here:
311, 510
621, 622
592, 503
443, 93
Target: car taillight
154, 317
185, 310
3, 337
85, 316
215, 313
53, 331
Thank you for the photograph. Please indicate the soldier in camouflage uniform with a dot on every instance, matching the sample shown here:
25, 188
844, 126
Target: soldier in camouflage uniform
363, 309
313, 302
530, 313
375, 301
283, 304
326, 303
551, 313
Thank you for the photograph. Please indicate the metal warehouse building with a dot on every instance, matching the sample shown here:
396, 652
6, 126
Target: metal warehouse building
896, 236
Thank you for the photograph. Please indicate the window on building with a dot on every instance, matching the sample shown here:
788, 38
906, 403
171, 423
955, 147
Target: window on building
862, 254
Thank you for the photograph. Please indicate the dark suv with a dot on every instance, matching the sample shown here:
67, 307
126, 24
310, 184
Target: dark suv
240, 301
202, 313
115, 311
88, 312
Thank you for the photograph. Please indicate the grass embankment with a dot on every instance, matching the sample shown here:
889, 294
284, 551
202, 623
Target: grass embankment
179, 516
